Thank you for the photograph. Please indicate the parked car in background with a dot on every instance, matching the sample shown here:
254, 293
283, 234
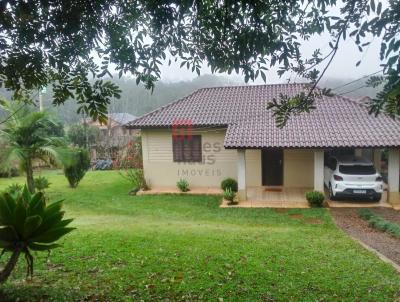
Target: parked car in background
352, 177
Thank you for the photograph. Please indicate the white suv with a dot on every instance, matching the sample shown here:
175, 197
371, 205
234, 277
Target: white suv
352, 177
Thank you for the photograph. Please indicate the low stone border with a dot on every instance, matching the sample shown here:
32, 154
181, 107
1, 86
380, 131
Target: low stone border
194, 191
368, 247
379, 254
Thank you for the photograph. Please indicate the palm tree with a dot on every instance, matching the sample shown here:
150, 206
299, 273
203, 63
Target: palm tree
27, 136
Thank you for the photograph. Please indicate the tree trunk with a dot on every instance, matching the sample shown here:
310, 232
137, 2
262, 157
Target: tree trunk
29, 176
6, 272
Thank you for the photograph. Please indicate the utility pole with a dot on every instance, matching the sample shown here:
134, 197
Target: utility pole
40, 101
41, 91
85, 127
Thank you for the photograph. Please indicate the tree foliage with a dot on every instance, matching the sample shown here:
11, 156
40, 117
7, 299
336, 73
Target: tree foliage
61, 40
64, 42
83, 135
361, 21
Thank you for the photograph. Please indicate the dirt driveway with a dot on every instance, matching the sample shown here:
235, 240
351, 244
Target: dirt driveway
348, 220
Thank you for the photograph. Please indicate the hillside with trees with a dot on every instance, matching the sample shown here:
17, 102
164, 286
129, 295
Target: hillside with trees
138, 100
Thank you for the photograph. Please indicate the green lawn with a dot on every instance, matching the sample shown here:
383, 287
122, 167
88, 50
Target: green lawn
185, 248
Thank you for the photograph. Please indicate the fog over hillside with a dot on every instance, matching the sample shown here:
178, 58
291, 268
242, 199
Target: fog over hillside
137, 100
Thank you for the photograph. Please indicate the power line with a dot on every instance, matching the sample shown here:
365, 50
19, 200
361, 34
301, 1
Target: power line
363, 86
356, 80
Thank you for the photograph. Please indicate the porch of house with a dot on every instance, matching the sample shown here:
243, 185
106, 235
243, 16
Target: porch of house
279, 197
273, 197
294, 197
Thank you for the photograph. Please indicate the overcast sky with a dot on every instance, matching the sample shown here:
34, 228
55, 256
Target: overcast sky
342, 67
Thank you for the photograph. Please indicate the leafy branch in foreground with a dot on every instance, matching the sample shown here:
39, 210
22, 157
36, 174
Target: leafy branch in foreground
62, 43
284, 107
387, 100
28, 224
362, 21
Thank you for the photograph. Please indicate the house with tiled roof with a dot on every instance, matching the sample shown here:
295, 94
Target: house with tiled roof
221, 132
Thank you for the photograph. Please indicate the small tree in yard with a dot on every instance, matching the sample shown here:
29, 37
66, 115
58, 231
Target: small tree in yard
77, 170
28, 136
28, 224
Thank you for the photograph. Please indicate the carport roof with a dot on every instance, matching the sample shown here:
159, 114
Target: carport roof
337, 122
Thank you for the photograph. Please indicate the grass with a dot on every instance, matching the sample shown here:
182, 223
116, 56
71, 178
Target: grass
185, 248
380, 223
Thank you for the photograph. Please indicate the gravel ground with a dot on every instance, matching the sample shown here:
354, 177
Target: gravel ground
348, 220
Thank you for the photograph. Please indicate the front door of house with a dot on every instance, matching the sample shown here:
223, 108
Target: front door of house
272, 167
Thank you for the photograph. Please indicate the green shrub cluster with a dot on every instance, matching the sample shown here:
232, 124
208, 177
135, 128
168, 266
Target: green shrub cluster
78, 168
14, 189
379, 222
315, 198
28, 224
41, 183
229, 183
229, 195
136, 177
183, 185
7, 173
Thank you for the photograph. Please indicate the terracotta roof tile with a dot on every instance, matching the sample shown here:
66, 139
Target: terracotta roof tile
336, 122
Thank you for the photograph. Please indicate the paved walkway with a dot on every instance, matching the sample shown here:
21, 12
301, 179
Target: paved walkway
266, 204
259, 197
174, 190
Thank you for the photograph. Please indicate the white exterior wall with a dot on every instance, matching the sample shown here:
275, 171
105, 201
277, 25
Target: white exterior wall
161, 171
218, 163
298, 168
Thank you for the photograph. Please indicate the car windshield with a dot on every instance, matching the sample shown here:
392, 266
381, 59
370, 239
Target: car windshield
357, 169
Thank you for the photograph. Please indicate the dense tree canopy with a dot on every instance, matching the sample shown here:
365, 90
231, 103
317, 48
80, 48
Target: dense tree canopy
58, 41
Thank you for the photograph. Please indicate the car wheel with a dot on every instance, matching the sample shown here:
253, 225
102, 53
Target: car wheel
331, 196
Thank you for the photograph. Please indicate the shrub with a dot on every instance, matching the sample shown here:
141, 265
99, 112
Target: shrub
130, 157
183, 185
136, 177
77, 170
28, 224
14, 189
12, 172
229, 183
380, 223
41, 183
229, 195
315, 198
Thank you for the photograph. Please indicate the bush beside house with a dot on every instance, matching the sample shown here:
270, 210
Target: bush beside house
229, 183
315, 199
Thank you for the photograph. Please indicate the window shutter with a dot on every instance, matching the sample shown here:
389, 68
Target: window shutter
187, 149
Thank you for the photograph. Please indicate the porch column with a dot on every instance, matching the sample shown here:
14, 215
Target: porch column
241, 170
319, 170
393, 176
